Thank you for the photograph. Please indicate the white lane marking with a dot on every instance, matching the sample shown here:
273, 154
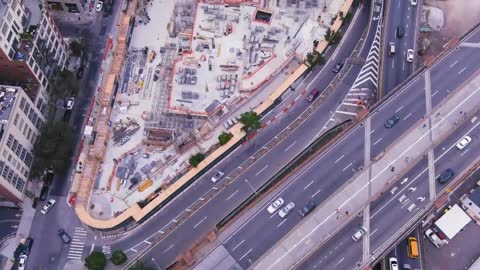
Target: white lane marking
374, 231
290, 146
170, 247
377, 141
403, 66
315, 194
134, 250
233, 194
341, 260
309, 184
340, 158
406, 117
245, 255
263, 169
434, 93
453, 64
348, 166
464, 152
239, 244
281, 223
371, 132
200, 222
347, 113
147, 242
393, 64
461, 71
401, 107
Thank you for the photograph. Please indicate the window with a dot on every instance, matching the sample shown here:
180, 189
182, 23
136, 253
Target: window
18, 150
44, 22
5, 29
19, 165
9, 158
2, 164
25, 128
15, 122
26, 109
10, 35
20, 126
14, 162
30, 61
14, 145
29, 133
24, 153
5, 172
10, 140
9, 16
10, 175
35, 68
28, 159
14, 4
25, 173
20, 184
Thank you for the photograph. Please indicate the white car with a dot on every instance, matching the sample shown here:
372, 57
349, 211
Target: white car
99, 6
393, 262
359, 234
413, 2
217, 176
48, 206
22, 262
287, 209
70, 103
275, 205
433, 237
410, 55
464, 142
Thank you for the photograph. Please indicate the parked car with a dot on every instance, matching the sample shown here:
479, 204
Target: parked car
445, 176
48, 206
338, 67
409, 55
393, 263
313, 95
392, 121
43, 193
217, 176
70, 102
286, 210
275, 205
80, 73
27, 247
413, 2
22, 262
99, 6
359, 234
464, 142
307, 209
64, 236
433, 237
391, 48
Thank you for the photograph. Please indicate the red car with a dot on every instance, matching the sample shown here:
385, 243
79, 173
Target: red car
313, 95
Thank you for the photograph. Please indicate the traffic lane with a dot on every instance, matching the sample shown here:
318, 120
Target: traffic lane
9, 218
340, 252
311, 180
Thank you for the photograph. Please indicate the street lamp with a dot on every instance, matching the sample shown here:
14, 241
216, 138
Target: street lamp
153, 260
254, 191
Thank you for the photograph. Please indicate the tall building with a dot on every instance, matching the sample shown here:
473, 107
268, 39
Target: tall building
32, 49
20, 124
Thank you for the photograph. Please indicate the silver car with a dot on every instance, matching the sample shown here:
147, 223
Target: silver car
48, 206
275, 205
359, 234
287, 209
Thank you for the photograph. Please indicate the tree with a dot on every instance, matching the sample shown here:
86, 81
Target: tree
347, 18
76, 48
314, 58
65, 85
118, 257
224, 137
139, 265
53, 148
196, 159
96, 261
250, 120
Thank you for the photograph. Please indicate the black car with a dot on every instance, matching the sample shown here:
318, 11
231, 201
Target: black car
338, 67
445, 176
64, 236
399, 32
392, 121
80, 73
307, 208
43, 193
27, 247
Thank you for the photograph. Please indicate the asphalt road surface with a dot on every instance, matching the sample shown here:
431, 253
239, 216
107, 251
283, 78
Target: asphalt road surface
396, 69
388, 214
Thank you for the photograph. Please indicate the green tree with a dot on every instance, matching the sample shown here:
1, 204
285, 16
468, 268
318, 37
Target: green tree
224, 137
139, 265
250, 120
96, 261
347, 18
118, 257
65, 85
314, 58
54, 147
196, 159
337, 37
76, 48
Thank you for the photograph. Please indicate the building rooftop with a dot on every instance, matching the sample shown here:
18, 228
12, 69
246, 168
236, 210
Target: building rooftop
475, 196
35, 13
7, 99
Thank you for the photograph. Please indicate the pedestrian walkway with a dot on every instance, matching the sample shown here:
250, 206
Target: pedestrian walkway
107, 250
378, 177
75, 249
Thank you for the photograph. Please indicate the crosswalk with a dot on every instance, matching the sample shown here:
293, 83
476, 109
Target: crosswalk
75, 249
107, 250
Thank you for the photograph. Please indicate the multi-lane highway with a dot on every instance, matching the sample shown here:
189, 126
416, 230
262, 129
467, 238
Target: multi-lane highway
205, 219
396, 69
388, 214
333, 168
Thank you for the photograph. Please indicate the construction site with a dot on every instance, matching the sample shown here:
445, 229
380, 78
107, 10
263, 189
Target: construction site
185, 79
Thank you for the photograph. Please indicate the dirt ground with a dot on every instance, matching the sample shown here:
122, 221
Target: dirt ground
459, 17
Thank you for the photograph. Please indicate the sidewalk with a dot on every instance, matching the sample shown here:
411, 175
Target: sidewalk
352, 197
23, 231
